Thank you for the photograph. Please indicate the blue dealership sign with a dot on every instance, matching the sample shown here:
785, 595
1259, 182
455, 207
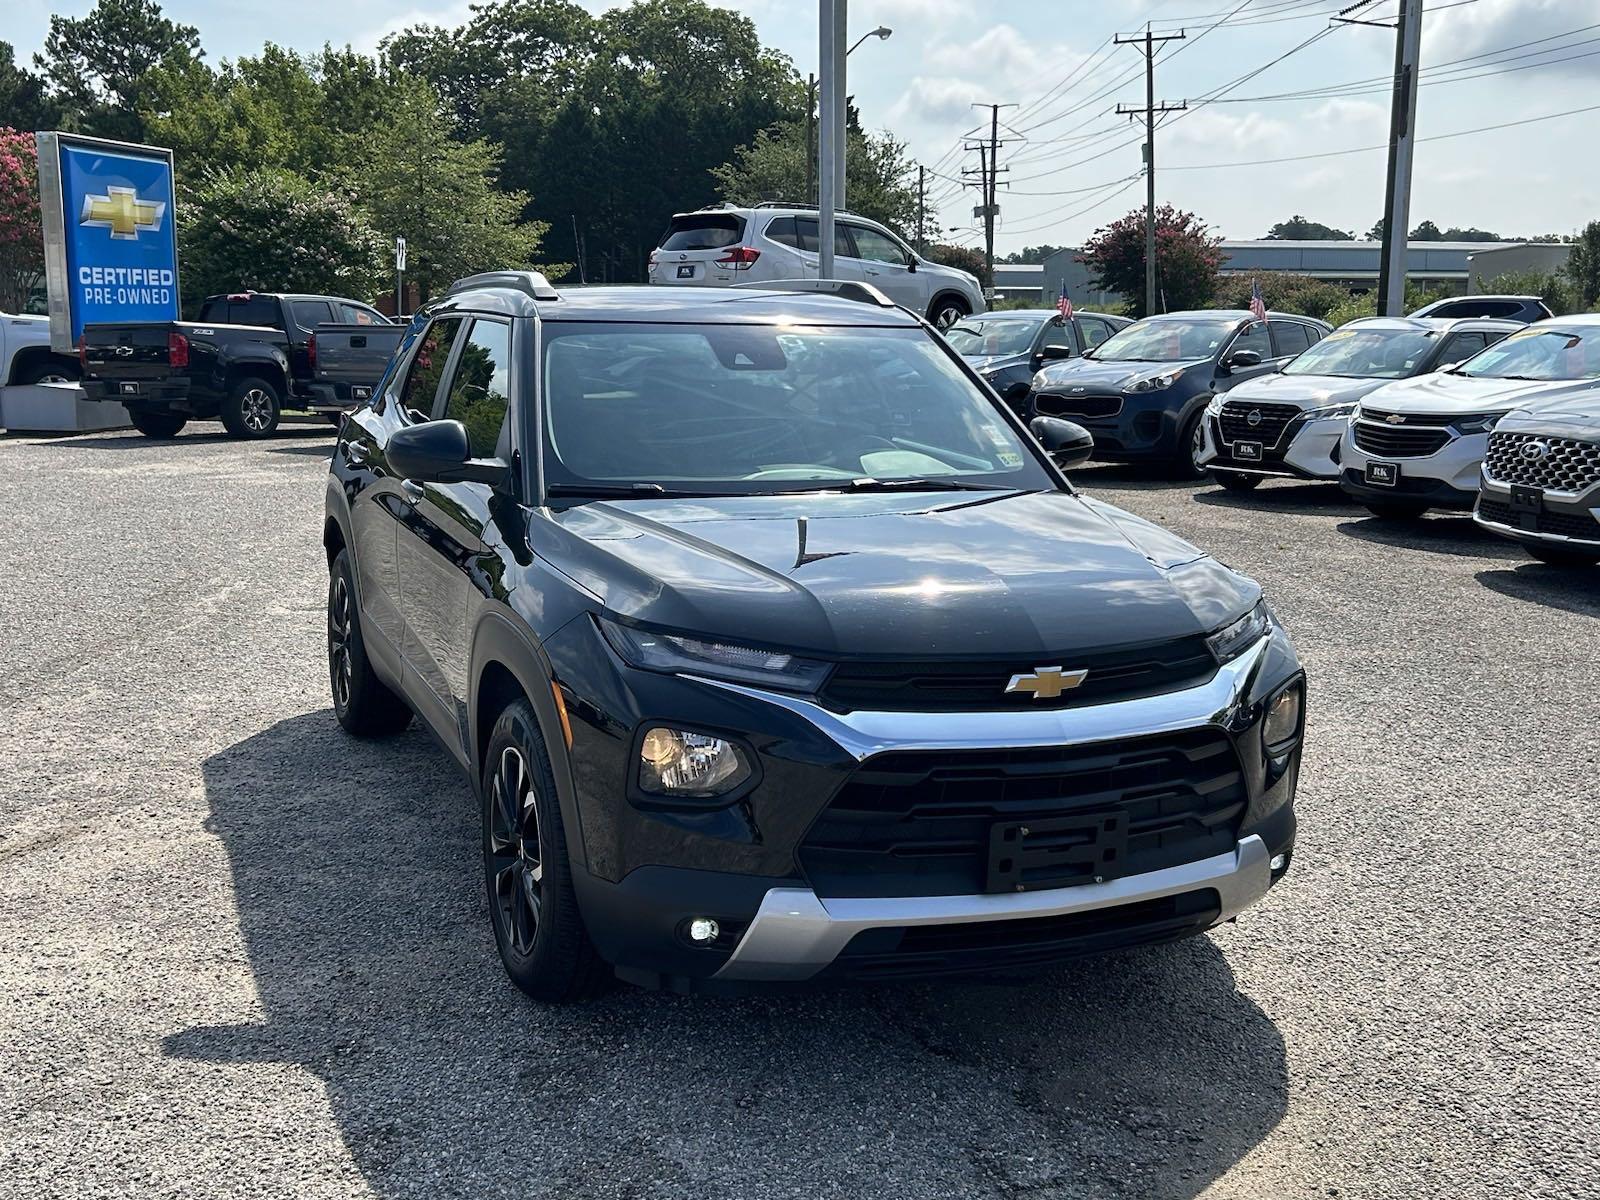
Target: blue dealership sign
111, 249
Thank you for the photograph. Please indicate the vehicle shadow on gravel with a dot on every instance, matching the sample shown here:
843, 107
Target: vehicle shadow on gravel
1146, 477
1287, 498
1571, 589
356, 875
1437, 534
137, 441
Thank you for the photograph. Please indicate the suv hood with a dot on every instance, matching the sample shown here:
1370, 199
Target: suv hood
920, 576
1576, 413
1303, 391
1078, 372
1444, 393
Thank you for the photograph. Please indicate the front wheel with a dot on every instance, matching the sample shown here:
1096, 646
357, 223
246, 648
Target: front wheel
251, 409
1561, 556
1395, 510
947, 310
537, 926
1191, 441
156, 424
1236, 481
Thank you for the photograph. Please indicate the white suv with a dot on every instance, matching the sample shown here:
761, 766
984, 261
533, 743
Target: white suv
721, 247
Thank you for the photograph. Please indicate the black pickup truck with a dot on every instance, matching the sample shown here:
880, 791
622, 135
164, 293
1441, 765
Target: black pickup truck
249, 356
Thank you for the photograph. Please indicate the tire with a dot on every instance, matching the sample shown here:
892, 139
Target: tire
1235, 481
946, 310
1395, 510
252, 408
1184, 465
49, 370
527, 875
158, 425
362, 702
1561, 556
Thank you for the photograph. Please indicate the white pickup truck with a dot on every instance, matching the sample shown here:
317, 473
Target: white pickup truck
25, 354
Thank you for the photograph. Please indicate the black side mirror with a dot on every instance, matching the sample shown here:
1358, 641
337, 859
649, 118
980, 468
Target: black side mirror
1053, 353
912, 265
1067, 444
1243, 358
439, 452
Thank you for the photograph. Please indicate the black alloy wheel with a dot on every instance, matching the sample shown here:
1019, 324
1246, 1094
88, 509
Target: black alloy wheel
515, 860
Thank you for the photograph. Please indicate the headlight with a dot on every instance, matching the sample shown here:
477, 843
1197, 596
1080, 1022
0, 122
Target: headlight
1155, 383
1333, 410
676, 654
1479, 422
1282, 724
1234, 638
680, 762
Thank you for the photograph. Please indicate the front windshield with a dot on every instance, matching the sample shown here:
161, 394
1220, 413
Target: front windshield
1537, 353
1366, 354
1167, 340
753, 409
993, 335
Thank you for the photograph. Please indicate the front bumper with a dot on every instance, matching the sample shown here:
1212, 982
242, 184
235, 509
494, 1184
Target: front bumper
1305, 450
1127, 426
649, 873
1448, 478
1561, 518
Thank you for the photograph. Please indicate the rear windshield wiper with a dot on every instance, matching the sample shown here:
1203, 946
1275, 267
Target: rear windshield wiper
937, 484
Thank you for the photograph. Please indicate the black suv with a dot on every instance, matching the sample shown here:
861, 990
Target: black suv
777, 649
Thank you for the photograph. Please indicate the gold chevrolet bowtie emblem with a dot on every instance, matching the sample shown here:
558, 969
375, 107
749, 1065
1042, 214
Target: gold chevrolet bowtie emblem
1046, 683
121, 211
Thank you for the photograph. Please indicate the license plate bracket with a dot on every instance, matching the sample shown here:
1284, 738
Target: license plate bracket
127, 389
1525, 499
686, 271
1383, 474
1057, 851
1247, 451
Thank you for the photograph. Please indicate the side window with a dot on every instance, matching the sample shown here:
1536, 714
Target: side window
213, 310
480, 390
877, 247
1461, 347
783, 231
1094, 332
427, 368
258, 310
1289, 337
810, 239
1055, 335
354, 314
1253, 338
308, 314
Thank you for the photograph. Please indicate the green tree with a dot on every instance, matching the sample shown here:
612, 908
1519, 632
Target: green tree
1427, 231
1030, 254
99, 67
1283, 292
270, 229
962, 258
1300, 229
1187, 257
773, 167
416, 180
1553, 287
1472, 234
1583, 267
23, 100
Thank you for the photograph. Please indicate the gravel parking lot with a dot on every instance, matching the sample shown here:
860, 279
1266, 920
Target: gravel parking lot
245, 955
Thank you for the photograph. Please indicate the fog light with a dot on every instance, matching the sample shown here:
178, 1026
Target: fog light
1282, 725
1278, 863
703, 930
676, 762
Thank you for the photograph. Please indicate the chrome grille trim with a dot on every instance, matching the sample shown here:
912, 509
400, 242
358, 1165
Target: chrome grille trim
1571, 465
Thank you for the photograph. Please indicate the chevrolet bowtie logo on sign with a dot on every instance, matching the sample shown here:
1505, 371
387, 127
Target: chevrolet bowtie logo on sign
121, 211
1046, 683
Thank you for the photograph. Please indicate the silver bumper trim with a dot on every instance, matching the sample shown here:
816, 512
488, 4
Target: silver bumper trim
1533, 535
795, 934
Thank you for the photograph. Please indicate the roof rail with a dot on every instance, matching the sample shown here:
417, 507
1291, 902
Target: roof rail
530, 283
843, 212
845, 289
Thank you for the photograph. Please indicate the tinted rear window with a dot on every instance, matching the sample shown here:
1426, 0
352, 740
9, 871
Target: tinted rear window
703, 231
308, 314
257, 310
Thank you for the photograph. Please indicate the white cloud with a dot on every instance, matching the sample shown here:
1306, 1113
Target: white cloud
944, 101
1469, 29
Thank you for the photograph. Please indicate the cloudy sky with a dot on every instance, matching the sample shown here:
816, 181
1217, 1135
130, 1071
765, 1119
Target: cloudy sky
1074, 164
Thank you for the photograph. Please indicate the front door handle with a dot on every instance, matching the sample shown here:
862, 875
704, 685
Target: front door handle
411, 490
356, 453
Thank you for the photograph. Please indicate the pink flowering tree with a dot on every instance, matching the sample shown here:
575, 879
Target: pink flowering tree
21, 239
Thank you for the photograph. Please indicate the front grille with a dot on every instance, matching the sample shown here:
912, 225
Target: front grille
1562, 524
980, 686
1566, 464
1271, 421
988, 947
1053, 404
912, 823
1400, 441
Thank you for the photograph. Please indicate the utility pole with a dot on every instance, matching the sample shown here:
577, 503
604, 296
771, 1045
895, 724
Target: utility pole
1402, 137
811, 141
841, 102
830, 58
1146, 44
988, 178
922, 209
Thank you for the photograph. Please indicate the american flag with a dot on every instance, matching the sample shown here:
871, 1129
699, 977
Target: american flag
1258, 306
1064, 302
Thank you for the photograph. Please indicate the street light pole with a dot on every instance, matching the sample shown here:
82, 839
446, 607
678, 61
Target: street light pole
829, 60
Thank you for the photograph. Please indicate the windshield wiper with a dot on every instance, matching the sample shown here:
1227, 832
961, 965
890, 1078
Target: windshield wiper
618, 491
868, 484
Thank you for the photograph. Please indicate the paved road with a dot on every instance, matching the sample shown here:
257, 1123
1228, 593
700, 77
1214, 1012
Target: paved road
243, 955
